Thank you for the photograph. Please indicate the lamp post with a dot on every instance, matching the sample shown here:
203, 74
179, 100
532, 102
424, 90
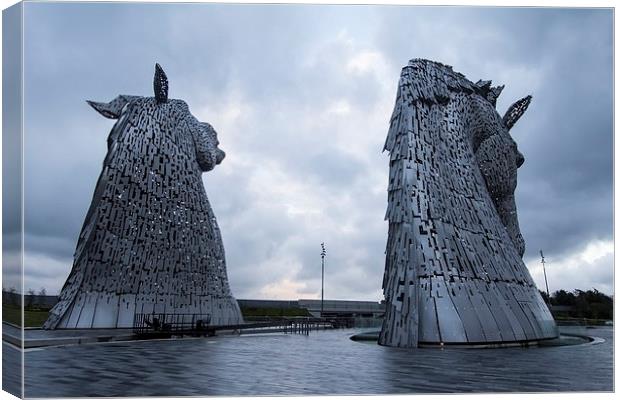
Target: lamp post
323, 253
545, 273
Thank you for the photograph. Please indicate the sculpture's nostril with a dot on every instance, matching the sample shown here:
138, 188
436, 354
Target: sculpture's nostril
520, 159
220, 156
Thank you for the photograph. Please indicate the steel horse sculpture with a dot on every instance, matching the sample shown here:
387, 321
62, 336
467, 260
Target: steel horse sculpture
454, 272
150, 242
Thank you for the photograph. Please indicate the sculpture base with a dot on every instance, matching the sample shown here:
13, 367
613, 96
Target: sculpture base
100, 310
560, 340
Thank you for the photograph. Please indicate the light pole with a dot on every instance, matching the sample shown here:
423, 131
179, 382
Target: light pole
545, 273
323, 253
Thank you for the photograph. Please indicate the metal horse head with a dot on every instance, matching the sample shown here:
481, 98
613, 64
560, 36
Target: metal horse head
454, 271
150, 242
171, 114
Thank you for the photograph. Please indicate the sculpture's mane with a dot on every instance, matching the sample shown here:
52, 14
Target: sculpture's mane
432, 83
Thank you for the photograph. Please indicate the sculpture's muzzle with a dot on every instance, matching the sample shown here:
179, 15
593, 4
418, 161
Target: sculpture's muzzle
219, 156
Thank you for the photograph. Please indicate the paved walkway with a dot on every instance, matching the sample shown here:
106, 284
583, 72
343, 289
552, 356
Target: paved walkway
41, 337
37, 337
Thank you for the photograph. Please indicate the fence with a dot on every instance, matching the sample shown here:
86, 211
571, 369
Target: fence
150, 325
171, 323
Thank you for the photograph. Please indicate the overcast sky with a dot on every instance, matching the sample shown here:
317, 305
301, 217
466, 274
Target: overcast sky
301, 98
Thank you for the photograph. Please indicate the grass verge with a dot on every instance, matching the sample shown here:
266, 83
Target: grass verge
32, 318
35, 318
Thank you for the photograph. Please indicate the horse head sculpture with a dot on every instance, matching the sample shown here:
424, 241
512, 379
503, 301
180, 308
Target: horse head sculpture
454, 272
150, 243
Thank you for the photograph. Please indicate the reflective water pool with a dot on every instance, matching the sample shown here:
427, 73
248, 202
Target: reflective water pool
325, 362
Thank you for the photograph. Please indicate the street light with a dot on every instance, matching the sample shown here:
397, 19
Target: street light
323, 253
545, 273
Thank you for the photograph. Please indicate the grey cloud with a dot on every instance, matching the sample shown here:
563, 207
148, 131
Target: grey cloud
332, 168
286, 66
563, 57
57, 247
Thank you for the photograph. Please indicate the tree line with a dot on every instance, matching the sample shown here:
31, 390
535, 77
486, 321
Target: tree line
584, 304
590, 304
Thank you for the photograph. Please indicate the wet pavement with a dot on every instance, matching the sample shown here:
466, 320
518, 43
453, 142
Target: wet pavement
325, 362
40, 337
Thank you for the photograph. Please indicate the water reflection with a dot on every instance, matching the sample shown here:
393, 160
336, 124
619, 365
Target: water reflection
325, 362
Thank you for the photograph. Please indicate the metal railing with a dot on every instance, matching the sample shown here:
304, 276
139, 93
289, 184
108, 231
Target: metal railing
171, 323
149, 325
301, 325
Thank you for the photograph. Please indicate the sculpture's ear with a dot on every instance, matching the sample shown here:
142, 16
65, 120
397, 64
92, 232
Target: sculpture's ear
160, 85
112, 109
491, 93
515, 111
494, 93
